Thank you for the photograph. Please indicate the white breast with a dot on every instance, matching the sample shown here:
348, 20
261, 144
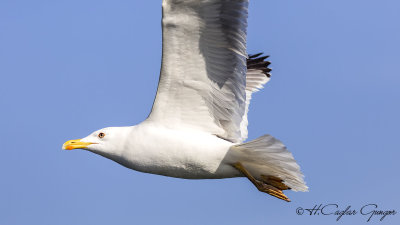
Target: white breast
187, 154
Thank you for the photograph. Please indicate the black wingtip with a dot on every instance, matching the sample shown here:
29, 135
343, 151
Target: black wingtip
257, 62
255, 55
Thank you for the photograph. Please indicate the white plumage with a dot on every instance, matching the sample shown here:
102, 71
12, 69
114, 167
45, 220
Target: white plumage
199, 121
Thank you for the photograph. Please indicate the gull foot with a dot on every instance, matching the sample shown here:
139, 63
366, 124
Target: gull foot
275, 181
270, 184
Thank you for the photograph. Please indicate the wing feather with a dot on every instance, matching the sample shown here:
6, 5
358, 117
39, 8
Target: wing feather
203, 74
257, 75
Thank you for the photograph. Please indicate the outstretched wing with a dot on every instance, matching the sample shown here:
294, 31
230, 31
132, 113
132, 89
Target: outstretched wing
203, 74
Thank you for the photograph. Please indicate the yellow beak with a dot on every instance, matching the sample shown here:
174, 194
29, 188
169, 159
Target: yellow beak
74, 144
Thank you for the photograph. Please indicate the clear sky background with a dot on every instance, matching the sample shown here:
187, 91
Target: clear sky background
68, 68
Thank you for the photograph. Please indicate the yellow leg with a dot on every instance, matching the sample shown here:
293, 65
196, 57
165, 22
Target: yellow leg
262, 186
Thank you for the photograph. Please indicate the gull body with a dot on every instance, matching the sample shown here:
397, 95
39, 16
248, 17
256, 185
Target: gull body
152, 148
198, 123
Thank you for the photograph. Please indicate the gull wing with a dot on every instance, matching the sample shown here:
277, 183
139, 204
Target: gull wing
202, 83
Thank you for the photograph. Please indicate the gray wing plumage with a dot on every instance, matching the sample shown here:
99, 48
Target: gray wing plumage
203, 74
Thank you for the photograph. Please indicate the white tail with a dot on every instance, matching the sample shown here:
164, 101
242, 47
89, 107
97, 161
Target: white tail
268, 156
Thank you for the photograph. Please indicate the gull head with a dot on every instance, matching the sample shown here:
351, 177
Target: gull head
107, 142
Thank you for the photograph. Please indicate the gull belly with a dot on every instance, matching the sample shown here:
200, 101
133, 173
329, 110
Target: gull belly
182, 153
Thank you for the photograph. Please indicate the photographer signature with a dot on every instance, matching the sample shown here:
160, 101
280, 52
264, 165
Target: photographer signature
369, 210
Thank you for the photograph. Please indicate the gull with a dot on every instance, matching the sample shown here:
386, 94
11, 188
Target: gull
198, 123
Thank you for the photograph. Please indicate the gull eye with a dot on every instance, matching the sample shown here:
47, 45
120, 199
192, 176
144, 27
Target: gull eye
101, 135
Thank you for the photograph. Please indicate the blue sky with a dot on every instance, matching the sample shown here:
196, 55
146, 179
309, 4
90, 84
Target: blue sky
68, 68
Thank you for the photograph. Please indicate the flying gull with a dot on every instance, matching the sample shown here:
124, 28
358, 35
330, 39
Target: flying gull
198, 123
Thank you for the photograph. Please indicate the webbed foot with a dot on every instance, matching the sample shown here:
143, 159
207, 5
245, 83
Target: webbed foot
270, 184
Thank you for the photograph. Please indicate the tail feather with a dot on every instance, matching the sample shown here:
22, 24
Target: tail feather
267, 156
